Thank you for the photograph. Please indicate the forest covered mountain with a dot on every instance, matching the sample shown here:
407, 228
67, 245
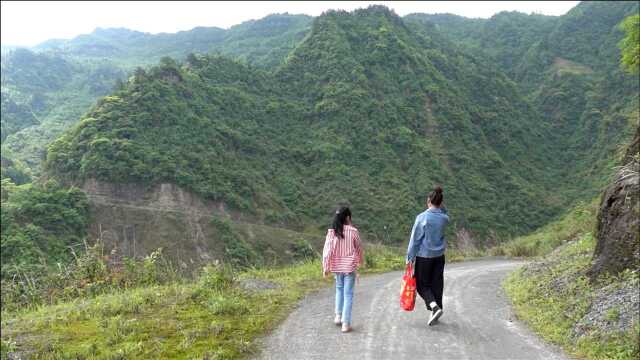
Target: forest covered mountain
364, 110
568, 67
47, 88
519, 116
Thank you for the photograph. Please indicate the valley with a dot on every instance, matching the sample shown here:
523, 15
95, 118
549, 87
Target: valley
189, 164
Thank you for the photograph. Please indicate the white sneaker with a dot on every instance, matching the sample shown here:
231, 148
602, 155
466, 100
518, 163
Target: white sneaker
337, 320
436, 312
346, 328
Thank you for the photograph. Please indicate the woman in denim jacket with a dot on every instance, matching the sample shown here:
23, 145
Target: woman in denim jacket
426, 248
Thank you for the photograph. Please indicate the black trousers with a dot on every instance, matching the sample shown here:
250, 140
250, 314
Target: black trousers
430, 279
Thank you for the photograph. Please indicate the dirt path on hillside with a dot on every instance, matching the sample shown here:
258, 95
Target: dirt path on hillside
477, 322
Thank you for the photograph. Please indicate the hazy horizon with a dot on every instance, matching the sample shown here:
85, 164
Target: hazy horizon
27, 24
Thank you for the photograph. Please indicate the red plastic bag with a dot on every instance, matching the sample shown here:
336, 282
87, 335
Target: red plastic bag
408, 290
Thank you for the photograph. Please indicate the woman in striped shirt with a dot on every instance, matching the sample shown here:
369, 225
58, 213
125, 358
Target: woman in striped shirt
342, 255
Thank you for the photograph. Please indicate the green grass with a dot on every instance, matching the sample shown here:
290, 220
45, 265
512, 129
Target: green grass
185, 320
541, 242
552, 299
210, 317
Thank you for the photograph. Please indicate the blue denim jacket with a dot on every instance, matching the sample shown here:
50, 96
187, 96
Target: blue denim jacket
427, 236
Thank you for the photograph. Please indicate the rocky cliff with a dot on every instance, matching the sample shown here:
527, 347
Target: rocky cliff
618, 224
134, 220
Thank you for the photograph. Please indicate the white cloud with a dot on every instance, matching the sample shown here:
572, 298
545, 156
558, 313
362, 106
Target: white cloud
28, 23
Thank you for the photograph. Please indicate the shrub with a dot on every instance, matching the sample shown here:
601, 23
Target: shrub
237, 252
39, 224
303, 250
147, 271
215, 278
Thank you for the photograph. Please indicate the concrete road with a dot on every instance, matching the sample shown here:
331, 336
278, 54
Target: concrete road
477, 322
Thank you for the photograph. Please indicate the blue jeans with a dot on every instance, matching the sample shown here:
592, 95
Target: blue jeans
344, 295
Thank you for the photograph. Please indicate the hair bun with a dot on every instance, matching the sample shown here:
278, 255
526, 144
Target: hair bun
438, 189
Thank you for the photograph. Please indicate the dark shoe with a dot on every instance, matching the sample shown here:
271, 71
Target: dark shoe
436, 312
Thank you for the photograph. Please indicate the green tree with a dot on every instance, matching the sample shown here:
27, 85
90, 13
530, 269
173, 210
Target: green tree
39, 223
630, 45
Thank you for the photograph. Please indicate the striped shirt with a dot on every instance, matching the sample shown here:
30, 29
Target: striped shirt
342, 255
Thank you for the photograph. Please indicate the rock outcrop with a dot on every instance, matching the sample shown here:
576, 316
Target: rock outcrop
135, 220
618, 224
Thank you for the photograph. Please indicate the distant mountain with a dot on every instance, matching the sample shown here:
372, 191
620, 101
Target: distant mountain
47, 88
5, 48
42, 94
262, 42
133, 47
506, 36
15, 116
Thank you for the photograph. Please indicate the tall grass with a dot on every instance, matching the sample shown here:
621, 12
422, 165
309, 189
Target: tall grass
90, 274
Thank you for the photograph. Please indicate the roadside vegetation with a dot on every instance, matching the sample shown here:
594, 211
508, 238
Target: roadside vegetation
554, 296
544, 240
104, 309
592, 320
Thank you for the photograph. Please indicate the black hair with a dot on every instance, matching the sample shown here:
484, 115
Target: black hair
435, 196
340, 220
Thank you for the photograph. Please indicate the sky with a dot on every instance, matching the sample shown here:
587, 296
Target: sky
31, 22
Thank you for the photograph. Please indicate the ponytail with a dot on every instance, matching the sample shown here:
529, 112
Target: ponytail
340, 220
436, 197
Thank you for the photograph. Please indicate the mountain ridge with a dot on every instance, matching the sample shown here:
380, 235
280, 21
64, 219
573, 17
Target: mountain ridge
341, 88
